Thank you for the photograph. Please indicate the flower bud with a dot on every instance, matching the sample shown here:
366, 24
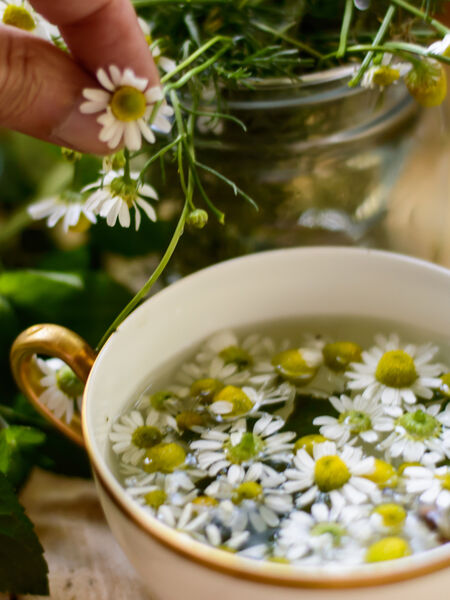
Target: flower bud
114, 162
197, 218
427, 83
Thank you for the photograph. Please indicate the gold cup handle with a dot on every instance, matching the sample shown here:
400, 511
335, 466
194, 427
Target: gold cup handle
57, 341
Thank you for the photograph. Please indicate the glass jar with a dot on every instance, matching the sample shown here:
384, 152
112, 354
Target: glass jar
319, 159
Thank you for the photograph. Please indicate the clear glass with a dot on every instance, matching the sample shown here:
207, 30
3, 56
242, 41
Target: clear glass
319, 158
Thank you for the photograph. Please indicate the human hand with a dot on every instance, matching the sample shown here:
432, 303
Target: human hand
41, 85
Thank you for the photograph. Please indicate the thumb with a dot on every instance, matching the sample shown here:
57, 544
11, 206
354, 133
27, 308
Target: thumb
41, 91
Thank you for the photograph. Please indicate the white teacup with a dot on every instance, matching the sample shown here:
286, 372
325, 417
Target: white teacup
264, 287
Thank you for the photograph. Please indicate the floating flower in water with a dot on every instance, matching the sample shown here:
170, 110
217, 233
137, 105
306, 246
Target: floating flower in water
431, 484
64, 391
115, 195
20, 14
231, 401
127, 104
337, 472
338, 356
69, 206
132, 436
299, 366
322, 534
395, 374
255, 492
388, 548
359, 418
417, 431
218, 448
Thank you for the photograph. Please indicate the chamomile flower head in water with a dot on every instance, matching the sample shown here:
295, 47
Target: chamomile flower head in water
245, 449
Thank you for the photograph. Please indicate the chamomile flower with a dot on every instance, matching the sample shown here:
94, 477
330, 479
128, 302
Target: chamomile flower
321, 536
244, 354
419, 430
20, 14
164, 63
395, 373
219, 537
385, 74
337, 472
427, 82
359, 418
132, 436
234, 402
392, 519
220, 448
127, 104
115, 195
430, 484
203, 380
441, 47
63, 390
255, 493
155, 490
68, 206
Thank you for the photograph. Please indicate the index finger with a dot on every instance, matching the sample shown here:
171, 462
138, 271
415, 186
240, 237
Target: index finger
100, 33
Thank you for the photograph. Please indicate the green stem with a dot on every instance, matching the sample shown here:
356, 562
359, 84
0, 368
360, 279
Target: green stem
126, 169
401, 49
378, 38
159, 154
194, 56
346, 21
17, 223
289, 39
422, 15
192, 72
154, 277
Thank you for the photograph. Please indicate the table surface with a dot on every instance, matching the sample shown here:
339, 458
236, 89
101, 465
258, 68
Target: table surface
85, 561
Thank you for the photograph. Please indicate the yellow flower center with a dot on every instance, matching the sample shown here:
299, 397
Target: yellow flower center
389, 548
249, 447
396, 369
445, 386
164, 458
419, 425
68, 382
445, 480
338, 355
204, 390
385, 75
146, 436
384, 474
331, 473
249, 490
291, 365
188, 419
307, 442
128, 104
392, 515
205, 501
155, 499
237, 356
18, 16
159, 399
127, 190
336, 531
356, 421
240, 402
